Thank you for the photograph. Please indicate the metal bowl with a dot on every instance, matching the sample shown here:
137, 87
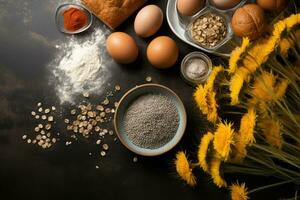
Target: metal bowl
132, 95
180, 26
59, 18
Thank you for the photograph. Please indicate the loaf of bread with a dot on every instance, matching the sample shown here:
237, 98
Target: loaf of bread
113, 12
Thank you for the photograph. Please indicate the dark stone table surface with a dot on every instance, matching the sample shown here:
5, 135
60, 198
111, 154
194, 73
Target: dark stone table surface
28, 35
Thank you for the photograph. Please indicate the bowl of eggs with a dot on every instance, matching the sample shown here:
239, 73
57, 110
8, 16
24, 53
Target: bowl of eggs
215, 25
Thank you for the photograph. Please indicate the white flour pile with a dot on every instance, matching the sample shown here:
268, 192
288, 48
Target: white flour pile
81, 66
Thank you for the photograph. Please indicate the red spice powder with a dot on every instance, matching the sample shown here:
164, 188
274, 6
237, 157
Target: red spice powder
74, 19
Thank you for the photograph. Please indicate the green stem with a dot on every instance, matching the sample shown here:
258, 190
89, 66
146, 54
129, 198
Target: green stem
276, 155
269, 186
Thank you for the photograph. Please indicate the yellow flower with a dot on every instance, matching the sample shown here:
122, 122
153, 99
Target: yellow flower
215, 173
200, 98
292, 20
247, 127
280, 89
236, 84
206, 102
223, 138
239, 192
236, 55
210, 81
272, 132
257, 54
263, 87
285, 45
240, 150
203, 149
212, 107
183, 169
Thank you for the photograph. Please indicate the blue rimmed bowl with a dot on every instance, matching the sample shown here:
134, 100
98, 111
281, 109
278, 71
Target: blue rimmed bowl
126, 101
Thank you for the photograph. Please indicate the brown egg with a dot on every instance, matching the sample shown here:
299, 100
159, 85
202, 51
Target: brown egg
162, 52
225, 4
148, 21
248, 21
189, 7
272, 5
122, 47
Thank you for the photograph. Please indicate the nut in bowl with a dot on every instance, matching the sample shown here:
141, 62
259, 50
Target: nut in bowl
150, 119
215, 40
209, 29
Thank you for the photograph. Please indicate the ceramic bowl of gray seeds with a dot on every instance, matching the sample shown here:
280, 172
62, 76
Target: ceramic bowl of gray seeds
150, 119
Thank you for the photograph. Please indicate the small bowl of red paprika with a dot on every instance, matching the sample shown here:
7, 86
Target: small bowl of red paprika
73, 18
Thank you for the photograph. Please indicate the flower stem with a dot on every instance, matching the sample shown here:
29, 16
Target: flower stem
269, 186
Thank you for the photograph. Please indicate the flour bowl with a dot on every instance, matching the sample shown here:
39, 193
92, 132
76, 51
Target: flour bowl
130, 97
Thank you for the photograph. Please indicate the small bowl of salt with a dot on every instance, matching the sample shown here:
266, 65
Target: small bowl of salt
196, 68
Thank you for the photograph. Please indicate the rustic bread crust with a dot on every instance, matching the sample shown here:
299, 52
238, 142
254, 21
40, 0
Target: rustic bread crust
113, 12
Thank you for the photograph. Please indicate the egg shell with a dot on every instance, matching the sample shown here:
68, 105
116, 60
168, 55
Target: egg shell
189, 7
225, 4
122, 47
162, 52
248, 21
148, 21
272, 5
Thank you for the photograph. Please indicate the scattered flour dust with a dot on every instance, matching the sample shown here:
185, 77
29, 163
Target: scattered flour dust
81, 65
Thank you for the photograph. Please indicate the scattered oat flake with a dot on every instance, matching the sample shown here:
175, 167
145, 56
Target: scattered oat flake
67, 121
48, 126
50, 118
53, 108
97, 167
148, 78
29, 141
37, 129
37, 117
33, 113
24, 137
44, 117
102, 153
106, 102
135, 159
39, 104
98, 141
99, 107
86, 94
105, 146
117, 88
40, 109
73, 112
47, 110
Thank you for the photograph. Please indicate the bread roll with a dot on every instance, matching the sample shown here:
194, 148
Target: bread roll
113, 12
